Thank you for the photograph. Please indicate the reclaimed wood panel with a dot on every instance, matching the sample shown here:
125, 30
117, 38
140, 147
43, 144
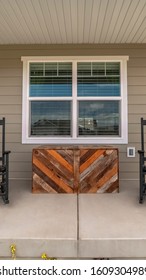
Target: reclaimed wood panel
53, 171
75, 170
99, 171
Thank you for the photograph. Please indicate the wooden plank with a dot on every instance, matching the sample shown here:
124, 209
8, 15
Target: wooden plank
68, 155
98, 166
76, 170
89, 158
45, 183
105, 182
40, 186
50, 162
62, 159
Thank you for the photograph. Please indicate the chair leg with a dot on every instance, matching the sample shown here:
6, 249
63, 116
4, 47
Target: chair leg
142, 179
6, 181
4, 188
141, 198
141, 193
7, 189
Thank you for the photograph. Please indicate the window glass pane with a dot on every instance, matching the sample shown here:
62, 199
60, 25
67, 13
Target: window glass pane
98, 69
36, 69
50, 69
65, 69
98, 79
113, 68
84, 69
98, 118
50, 118
50, 79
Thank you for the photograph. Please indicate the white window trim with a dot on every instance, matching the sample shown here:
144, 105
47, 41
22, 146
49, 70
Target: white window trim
123, 139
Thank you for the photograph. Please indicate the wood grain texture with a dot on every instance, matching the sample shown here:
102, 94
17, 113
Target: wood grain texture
99, 171
54, 170
75, 170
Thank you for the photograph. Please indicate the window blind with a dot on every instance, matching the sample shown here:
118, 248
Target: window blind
52, 79
98, 118
98, 79
50, 118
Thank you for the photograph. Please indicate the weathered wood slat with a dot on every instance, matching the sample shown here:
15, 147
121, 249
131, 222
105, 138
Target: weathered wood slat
44, 182
41, 186
106, 181
76, 170
62, 170
91, 156
98, 166
61, 159
68, 155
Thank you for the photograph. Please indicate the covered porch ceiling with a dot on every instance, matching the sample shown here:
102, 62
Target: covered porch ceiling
72, 21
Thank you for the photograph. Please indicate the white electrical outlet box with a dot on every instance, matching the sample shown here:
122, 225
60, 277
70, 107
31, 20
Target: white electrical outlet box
130, 151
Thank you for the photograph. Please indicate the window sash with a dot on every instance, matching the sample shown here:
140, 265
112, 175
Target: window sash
93, 81
98, 118
44, 121
50, 79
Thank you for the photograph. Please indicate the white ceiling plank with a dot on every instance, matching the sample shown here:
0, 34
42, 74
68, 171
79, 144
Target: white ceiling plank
120, 20
54, 19
38, 20
74, 20
113, 22
28, 13
12, 21
67, 19
61, 20
128, 16
143, 41
81, 18
133, 20
142, 38
48, 21
136, 25
140, 32
38, 8
6, 34
28, 20
94, 19
101, 18
107, 20
15, 6
87, 20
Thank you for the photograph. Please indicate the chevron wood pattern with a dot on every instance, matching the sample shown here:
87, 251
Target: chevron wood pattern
75, 170
99, 171
53, 171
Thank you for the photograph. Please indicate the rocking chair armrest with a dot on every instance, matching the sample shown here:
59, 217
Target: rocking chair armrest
7, 152
6, 155
141, 152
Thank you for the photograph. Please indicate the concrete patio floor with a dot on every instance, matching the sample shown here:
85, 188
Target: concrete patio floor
71, 226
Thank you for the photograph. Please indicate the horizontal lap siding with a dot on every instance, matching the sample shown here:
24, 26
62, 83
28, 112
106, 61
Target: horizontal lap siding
11, 99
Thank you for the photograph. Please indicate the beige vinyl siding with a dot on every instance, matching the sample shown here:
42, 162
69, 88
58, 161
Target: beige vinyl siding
11, 99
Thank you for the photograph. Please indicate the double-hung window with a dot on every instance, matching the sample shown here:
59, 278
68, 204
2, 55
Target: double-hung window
74, 100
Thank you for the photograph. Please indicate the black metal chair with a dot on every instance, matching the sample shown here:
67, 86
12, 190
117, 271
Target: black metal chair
4, 165
142, 163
